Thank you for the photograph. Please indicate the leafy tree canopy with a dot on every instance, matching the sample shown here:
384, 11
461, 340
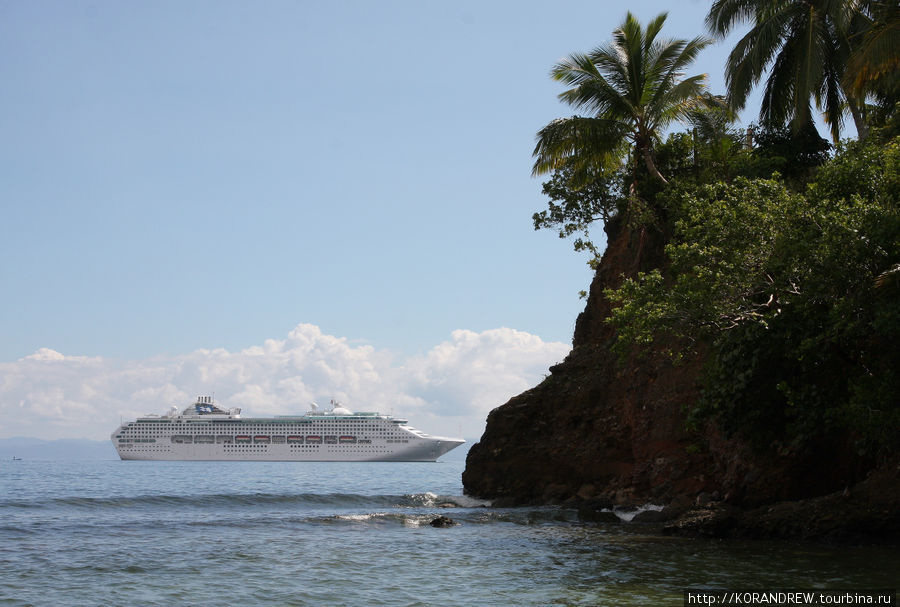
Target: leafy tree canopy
578, 201
797, 294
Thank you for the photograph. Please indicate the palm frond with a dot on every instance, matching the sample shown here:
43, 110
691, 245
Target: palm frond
593, 92
804, 46
584, 140
876, 59
632, 87
725, 14
674, 64
653, 28
806, 63
831, 101
629, 41
575, 70
778, 104
678, 101
749, 60
829, 94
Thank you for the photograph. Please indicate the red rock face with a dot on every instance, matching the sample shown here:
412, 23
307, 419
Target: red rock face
598, 429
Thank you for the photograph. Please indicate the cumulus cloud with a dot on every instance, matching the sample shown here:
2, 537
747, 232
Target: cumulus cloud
448, 390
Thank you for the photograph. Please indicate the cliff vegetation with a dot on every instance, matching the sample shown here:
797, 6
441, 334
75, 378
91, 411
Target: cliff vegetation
740, 341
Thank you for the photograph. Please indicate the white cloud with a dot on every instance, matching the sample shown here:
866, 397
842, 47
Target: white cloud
449, 390
475, 372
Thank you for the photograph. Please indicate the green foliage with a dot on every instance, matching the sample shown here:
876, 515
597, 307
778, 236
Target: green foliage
713, 150
794, 154
644, 309
859, 169
782, 152
798, 297
784, 265
717, 143
800, 46
726, 240
884, 119
633, 89
677, 157
579, 196
578, 200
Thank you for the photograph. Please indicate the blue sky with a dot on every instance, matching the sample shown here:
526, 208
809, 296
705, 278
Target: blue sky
182, 176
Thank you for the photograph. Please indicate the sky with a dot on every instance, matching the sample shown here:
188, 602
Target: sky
284, 201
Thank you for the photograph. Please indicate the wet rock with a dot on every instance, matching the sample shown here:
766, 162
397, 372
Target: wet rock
593, 515
586, 492
868, 512
600, 503
507, 502
653, 516
442, 521
715, 520
703, 500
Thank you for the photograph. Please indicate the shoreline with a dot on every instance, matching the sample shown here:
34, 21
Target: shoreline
867, 514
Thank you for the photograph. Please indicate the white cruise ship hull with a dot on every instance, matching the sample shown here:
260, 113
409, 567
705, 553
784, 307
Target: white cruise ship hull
204, 432
425, 452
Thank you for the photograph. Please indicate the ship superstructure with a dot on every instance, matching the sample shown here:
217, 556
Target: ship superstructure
203, 431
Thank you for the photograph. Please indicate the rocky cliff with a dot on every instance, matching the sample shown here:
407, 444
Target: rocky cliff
601, 431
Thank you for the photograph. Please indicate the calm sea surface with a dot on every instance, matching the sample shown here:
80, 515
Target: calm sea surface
229, 533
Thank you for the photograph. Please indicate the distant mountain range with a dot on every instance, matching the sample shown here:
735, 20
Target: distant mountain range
62, 449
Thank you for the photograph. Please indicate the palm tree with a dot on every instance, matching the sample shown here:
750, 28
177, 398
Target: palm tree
804, 45
874, 64
633, 89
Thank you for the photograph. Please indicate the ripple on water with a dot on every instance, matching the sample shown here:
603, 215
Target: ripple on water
303, 535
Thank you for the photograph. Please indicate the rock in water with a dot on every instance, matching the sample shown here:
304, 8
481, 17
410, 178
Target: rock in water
442, 521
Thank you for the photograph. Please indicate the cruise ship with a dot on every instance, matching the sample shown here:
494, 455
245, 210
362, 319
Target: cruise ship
203, 431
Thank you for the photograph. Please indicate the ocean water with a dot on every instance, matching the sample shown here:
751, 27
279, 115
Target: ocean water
235, 533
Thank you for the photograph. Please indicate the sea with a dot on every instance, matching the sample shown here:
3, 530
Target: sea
111, 532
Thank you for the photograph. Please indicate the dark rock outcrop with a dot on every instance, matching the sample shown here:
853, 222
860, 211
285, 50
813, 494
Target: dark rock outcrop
442, 522
866, 512
596, 428
600, 430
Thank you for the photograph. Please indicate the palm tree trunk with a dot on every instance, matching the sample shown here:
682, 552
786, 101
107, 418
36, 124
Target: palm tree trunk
651, 166
633, 188
862, 129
